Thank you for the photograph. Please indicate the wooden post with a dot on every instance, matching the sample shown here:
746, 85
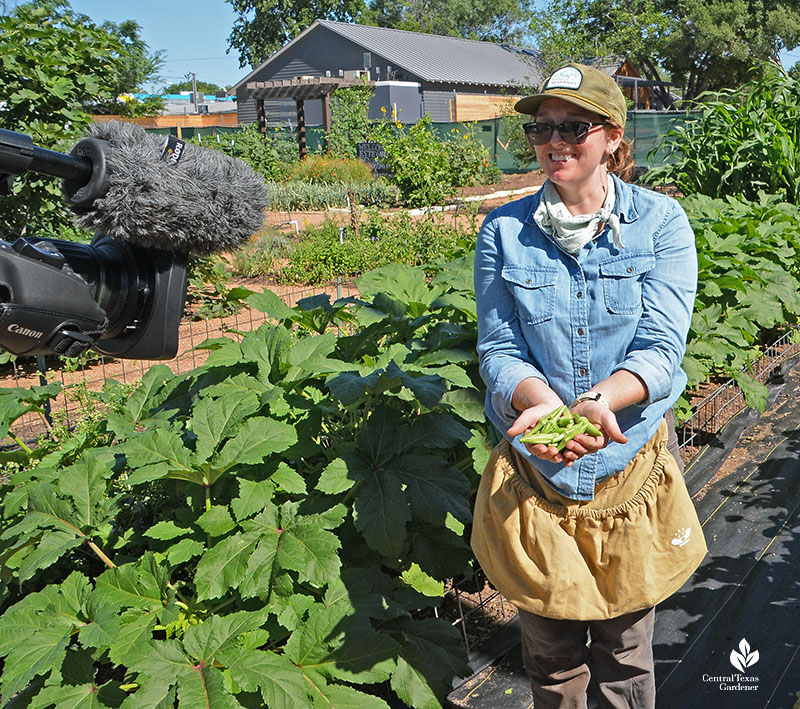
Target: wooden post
301, 127
326, 119
326, 112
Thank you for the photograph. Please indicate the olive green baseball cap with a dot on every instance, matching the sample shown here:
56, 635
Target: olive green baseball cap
584, 86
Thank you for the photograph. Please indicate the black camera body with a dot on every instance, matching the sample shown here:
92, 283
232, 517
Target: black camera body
113, 296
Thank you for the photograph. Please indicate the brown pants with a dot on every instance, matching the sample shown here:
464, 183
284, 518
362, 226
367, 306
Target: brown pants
619, 658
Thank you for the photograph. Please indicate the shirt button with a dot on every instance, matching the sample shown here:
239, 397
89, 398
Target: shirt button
582, 372
528, 281
580, 330
579, 294
630, 269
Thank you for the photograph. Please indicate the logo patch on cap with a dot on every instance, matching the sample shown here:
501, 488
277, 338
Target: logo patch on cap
567, 78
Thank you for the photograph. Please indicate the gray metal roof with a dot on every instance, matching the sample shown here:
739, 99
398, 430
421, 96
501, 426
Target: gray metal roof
442, 59
434, 57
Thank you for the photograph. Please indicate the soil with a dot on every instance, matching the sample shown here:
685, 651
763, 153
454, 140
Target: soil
510, 186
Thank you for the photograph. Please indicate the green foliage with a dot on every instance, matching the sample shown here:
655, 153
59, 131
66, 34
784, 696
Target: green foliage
130, 106
501, 21
203, 87
52, 64
257, 257
698, 45
749, 284
272, 154
470, 161
349, 121
739, 143
208, 294
330, 169
137, 65
265, 530
428, 169
264, 26
326, 253
306, 196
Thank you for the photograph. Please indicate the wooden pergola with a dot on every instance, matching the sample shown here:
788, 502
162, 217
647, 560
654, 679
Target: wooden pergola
301, 89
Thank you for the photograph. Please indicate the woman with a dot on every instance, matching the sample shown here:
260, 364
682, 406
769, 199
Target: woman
585, 292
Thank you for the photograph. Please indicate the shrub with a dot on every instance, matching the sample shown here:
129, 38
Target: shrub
428, 169
311, 196
271, 155
349, 121
330, 169
322, 255
469, 160
257, 257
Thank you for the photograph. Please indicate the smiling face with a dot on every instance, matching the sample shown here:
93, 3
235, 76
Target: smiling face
575, 168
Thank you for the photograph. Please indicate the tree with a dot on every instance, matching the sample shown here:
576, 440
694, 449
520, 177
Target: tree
501, 21
701, 45
52, 63
137, 66
203, 87
263, 26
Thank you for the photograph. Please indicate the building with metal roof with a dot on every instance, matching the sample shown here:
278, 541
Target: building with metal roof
449, 78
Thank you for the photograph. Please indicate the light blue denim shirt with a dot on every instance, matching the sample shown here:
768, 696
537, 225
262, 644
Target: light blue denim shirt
573, 321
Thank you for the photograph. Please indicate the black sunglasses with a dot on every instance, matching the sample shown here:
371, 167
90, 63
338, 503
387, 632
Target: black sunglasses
572, 132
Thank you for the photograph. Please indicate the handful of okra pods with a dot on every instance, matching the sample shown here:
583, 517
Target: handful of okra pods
558, 427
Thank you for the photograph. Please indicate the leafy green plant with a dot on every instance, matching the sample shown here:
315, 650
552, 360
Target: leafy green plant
738, 142
208, 294
331, 169
419, 163
330, 251
349, 121
271, 154
428, 169
311, 196
268, 529
749, 284
469, 159
52, 63
257, 257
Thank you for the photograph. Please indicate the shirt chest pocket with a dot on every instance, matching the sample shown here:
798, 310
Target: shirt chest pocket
622, 278
534, 292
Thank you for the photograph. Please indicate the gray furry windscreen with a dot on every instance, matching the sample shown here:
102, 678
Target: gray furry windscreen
207, 202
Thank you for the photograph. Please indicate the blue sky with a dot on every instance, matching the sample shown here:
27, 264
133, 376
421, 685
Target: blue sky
194, 35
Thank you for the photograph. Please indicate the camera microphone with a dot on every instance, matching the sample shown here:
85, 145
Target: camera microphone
163, 193
150, 200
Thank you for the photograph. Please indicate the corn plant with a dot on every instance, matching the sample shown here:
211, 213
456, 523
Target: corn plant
738, 142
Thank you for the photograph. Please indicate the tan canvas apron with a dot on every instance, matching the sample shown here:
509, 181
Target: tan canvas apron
629, 548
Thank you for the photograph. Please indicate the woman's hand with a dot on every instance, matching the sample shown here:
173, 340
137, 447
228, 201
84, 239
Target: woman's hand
583, 444
527, 420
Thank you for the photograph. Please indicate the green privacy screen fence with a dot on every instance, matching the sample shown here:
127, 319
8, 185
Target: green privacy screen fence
645, 128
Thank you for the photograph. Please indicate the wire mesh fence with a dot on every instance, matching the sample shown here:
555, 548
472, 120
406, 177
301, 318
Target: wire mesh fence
94, 371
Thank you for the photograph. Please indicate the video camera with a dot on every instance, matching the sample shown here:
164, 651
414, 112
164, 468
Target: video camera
113, 296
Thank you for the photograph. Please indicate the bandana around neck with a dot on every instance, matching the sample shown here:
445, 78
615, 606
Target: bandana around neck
573, 231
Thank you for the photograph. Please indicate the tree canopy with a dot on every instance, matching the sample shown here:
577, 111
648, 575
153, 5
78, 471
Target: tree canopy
700, 45
54, 64
264, 26
203, 87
